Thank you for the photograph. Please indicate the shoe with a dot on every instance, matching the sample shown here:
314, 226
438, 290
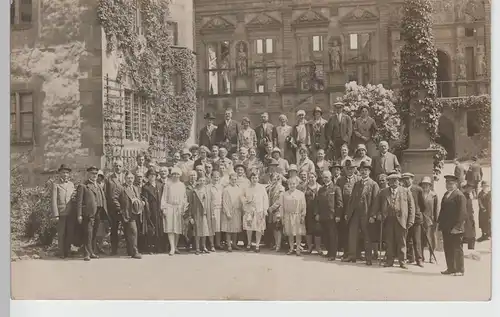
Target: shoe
289, 252
237, 248
257, 249
212, 250
403, 266
349, 260
458, 274
177, 251
114, 253
86, 258
447, 272
388, 264
420, 264
171, 254
331, 258
248, 248
206, 251
431, 261
229, 249
137, 256
93, 256
298, 252
197, 252
369, 262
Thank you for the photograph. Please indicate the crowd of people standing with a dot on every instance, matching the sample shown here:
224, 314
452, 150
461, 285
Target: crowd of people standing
293, 181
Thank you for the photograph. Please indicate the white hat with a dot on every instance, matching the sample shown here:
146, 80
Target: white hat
301, 112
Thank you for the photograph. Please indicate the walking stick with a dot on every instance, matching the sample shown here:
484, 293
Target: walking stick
431, 250
381, 258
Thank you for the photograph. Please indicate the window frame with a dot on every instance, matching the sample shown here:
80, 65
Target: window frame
17, 138
16, 21
321, 43
218, 70
264, 84
175, 26
135, 110
265, 46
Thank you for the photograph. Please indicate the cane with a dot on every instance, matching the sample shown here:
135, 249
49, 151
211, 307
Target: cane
431, 250
381, 258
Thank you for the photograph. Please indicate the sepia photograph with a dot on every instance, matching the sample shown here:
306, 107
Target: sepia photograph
250, 150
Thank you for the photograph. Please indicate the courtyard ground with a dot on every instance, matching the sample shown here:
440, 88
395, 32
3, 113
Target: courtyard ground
248, 276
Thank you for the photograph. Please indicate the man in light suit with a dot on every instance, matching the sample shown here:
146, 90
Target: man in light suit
227, 132
265, 133
90, 204
396, 209
359, 212
63, 191
385, 162
112, 186
338, 130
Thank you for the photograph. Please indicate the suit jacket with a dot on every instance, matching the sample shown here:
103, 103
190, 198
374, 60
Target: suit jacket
453, 212
112, 188
384, 165
475, 173
295, 133
207, 139
405, 208
267, 135
123, 200
152, 215
460, 172
317, 133
226, 133
363, 198
86, 202
330, 203
61, 198
336, 130
418, 199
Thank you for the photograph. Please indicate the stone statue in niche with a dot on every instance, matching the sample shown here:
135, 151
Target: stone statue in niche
396, 64
242, 59
481, 61
460, 62
335, 52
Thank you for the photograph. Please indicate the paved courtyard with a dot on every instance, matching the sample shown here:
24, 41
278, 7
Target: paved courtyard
247, 276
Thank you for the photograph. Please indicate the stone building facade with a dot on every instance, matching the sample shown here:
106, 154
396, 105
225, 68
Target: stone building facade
61, 76
280, 56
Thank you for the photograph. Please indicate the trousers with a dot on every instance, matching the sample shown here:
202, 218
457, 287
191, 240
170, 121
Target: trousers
329, 228
90, 227
395, 238
130, 228
359, 224
414, 243
65, 228
453, 252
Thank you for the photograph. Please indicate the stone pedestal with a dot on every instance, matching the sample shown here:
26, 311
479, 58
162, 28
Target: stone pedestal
336, 78
241, 84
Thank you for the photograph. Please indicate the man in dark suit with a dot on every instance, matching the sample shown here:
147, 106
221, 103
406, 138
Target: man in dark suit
207, 135
330, 206
227, 132
459, 171
265, 133
112, 187
90, 204
414, 238
128, 201
359, 212
474, 175
451, 222
396, 209
385, 162
338, 130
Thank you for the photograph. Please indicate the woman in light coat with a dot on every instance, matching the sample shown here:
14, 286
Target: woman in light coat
231, 213
255, 205
216, 189
293, 209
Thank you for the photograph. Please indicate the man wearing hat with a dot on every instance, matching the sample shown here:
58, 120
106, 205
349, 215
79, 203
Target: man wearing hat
414, 238
474, 174
346, 183
484, 201
360, 212
451, 222
265, 133
300, 136
90, 207
385, 162
207, 135
397, 211
113, 186
470, 223
227, 132
317, 127
271, 168
63, 190
338, 130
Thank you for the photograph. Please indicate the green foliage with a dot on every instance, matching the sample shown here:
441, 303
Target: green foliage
152, 63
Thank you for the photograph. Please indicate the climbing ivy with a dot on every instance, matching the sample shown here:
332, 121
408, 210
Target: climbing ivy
151, 63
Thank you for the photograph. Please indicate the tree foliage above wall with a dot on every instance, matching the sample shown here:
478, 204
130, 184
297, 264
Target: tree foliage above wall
151, 63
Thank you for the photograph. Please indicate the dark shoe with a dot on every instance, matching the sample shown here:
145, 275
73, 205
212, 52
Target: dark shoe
290, 252
349, 260
369, 262
388, 264
197, 252
330, 258
248, 248
447, 272
137, 256
114, 252
229, 249
420, 264
403, 266
237, 248
93, 256
86, 258
171, 254
257, 249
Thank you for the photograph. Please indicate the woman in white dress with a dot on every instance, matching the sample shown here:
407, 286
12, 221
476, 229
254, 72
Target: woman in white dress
174, 206
293, 209
231, 212
246, 136
283, 132
216, 190
200, 211
255, 205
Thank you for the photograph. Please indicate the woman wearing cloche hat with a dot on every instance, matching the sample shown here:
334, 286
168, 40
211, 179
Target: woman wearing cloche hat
430, 214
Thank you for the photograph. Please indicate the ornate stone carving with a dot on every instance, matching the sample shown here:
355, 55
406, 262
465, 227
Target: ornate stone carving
241, 58
264, 20
357, 15
217, 23
396, 63
335, 55
481, 66
443, 12
460, 62
395, 15
311, 16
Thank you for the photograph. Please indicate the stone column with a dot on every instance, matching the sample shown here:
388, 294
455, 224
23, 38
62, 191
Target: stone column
419, 157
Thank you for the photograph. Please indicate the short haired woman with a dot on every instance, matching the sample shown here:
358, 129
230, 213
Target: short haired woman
255, 205
293, 209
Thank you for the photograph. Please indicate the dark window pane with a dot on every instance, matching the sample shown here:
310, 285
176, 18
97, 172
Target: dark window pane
13, 12
26, 101
26, 126
472, 123
12, 103
470, 63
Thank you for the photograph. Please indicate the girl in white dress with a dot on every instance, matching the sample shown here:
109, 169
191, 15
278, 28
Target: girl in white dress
231, 213
293, 209
255, 205
216, 190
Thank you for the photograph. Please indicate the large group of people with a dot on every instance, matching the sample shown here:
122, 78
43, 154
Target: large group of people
280, 181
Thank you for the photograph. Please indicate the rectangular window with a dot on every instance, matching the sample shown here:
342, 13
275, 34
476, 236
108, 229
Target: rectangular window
128, 115
173, 31
21, 117
136, 117
21, 12
473, 123
269, 46
260, 46
353, 41
470, 63
219, 77
265, 79
469, 32
317, 41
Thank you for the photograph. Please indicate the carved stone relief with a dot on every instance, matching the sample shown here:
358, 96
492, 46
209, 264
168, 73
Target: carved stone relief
396, 63
460, 62
481, 66
335, 54
241, 58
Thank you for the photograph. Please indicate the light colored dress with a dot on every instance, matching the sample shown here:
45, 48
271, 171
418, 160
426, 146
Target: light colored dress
242, 182
357, 161
247, 138
283, 132
255, 204
200, 211
366, 128
174, 205
216, 205
293, 209
231, 209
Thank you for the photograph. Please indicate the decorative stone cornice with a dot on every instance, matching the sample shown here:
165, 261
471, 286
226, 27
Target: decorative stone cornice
217, 24
359, 15
311, 18
263, 20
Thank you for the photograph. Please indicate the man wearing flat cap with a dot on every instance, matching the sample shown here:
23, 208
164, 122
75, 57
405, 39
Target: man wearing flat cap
207, 136
414, 238
396, 209
63, 190
338, 130
90, 207
317, 132
451, 222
